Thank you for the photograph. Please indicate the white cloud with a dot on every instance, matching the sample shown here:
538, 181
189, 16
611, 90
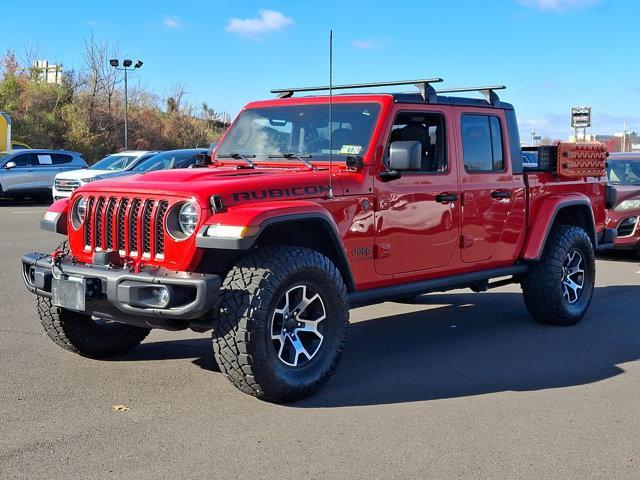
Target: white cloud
266, 21
173, 22
558, 5
362, 44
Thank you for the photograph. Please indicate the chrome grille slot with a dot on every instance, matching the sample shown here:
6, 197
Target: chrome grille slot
111, 208
122, 212
97, 244
88, 223
146, 227
163, 206
133, 225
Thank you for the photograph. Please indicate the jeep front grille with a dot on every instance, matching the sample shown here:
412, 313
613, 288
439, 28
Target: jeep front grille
132, 226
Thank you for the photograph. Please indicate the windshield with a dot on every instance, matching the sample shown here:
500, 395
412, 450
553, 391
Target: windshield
301, 130
113, 162
624, 172
165, 161
4, 155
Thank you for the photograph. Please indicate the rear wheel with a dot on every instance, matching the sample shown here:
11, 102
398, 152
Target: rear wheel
282, 324
558, 289
86, 336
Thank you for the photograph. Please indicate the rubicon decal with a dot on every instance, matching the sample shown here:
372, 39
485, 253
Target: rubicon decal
281, 192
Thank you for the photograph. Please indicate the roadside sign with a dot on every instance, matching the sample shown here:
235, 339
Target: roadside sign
580, 117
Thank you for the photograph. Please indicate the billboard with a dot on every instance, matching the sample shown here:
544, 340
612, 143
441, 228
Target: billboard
580, 117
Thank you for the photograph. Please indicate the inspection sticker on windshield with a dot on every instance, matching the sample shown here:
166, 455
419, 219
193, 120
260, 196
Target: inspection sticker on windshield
350, 149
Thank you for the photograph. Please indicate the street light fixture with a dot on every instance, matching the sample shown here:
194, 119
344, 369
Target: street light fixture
126, 66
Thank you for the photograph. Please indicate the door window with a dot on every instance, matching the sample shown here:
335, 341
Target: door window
24, 160
429, 130
482, 143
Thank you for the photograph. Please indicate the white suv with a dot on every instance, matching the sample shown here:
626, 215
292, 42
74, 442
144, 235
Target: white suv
65, 183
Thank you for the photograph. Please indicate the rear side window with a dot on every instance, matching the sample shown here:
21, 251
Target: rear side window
59, 158
45, 159
482, 143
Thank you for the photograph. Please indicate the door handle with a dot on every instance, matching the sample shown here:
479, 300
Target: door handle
501, 194
446, 197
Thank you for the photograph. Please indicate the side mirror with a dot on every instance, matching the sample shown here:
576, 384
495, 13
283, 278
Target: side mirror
405, 155
10, 165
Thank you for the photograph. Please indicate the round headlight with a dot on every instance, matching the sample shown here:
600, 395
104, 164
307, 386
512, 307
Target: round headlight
188, 218
79, 212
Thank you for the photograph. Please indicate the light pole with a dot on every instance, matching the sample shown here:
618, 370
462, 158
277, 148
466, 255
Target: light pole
126, 66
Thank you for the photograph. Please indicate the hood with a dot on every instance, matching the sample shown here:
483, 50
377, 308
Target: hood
82, 174
233, 185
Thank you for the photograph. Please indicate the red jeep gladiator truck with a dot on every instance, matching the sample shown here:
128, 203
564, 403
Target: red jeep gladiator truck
310, 206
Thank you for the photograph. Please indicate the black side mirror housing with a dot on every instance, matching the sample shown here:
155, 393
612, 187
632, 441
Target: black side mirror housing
202, 160
405, 155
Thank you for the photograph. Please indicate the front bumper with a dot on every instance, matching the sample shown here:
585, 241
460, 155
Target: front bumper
120, 294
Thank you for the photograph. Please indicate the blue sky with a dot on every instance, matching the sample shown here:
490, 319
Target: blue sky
552, 54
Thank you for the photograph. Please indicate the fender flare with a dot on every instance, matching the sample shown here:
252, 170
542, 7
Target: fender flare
283, 213
545, 219
55, 218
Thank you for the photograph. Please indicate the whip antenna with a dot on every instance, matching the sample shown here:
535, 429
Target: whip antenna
330, 114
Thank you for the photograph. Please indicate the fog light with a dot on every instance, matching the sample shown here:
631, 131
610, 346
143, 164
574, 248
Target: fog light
163, 296
633, 220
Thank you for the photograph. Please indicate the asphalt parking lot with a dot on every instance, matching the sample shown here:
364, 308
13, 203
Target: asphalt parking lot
459, 385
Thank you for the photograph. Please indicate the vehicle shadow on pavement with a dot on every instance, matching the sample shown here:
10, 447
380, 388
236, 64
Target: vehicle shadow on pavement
478, 344
25, 203
199, 349
619, 256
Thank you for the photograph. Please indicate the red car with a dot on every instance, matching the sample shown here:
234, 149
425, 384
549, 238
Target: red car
623, 170
310, 206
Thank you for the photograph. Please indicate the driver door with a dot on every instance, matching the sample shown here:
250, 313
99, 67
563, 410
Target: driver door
418, 214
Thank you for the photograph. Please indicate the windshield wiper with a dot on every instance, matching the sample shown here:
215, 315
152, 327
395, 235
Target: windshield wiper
302, 158
239, 156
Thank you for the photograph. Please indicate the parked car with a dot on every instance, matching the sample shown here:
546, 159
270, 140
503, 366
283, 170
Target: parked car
19, 146
161, 161
623, 170
530, 159
66, 183
30, 173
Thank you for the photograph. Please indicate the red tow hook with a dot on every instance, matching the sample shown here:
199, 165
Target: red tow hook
132, 263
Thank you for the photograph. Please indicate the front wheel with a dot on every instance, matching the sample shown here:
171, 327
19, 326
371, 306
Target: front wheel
558, 288
86, 336
282, 324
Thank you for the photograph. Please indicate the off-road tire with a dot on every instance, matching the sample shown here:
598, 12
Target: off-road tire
80, 334
542, 284
242, 342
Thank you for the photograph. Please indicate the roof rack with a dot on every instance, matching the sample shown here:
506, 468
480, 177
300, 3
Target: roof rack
427, 92
488, 92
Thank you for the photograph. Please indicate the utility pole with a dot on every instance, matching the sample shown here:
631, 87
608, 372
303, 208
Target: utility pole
126, 66
533, 137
